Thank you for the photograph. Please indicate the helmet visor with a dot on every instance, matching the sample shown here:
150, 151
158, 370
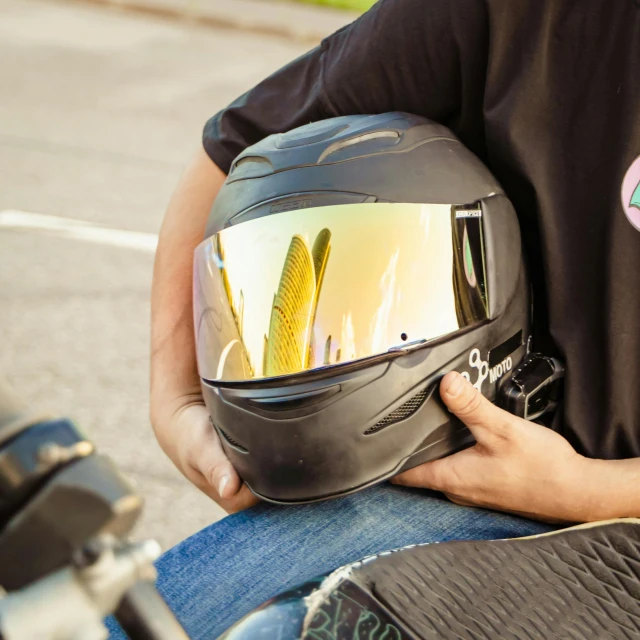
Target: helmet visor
319, 287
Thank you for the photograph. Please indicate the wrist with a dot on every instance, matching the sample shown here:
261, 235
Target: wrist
611, 489
574, 495
166, 411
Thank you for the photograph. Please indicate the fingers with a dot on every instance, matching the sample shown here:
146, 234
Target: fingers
430, 475
486, 421
219, 480
211, 461
214, 475
241, 501
205, 463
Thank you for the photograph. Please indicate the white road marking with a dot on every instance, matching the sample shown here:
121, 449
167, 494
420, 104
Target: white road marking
77, 230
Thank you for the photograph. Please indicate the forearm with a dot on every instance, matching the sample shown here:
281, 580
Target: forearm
612, 489
174, 376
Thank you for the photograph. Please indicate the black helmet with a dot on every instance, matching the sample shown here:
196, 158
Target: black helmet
347, 266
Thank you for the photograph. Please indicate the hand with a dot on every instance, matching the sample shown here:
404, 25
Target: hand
516, 466
179, 417
196, 450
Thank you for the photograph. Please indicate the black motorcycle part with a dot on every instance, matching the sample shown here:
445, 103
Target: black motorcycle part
282, 616
83, 500
30, 457
144, 615
574, 584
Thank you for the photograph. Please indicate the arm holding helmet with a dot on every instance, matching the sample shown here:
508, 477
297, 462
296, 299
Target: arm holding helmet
290, 97
178, 415
524, 468
367, 67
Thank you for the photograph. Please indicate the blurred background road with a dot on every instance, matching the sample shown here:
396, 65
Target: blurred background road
100, 110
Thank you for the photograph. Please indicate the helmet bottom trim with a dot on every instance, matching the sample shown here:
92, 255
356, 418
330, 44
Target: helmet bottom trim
450, 444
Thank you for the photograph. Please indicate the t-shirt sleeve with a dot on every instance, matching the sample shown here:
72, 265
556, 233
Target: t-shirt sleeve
402, 55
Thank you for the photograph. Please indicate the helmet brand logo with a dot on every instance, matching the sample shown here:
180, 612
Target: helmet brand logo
476, 362
500, 369
631, 194
494, 374
290, 206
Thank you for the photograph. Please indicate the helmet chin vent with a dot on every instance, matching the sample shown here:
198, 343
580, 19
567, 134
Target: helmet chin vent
232, 442
402, 412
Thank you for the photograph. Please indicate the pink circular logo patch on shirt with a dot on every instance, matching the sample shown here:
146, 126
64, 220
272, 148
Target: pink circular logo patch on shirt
631, 194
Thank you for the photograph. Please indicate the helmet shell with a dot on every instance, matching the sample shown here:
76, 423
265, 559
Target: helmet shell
332, 431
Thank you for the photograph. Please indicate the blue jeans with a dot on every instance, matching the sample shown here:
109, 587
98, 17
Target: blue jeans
214, 578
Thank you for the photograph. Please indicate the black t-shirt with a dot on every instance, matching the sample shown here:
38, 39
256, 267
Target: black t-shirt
547, 93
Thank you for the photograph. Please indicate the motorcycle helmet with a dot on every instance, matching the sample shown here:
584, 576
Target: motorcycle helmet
347, 266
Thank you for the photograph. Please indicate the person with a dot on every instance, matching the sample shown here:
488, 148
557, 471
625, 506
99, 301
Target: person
546, 93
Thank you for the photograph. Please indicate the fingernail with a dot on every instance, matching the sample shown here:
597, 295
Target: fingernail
224, 481
454, 384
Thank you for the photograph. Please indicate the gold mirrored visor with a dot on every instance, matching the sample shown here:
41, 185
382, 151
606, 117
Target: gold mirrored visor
319, 287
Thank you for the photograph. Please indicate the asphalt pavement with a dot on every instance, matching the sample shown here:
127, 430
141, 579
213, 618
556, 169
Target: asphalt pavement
100, 110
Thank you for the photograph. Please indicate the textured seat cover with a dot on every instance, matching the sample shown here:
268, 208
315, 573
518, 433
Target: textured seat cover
579, 583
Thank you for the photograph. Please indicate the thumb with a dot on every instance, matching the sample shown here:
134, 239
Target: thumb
485, 421
216, 468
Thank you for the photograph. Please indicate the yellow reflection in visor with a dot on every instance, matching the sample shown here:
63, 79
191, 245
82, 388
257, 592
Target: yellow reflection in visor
317, 287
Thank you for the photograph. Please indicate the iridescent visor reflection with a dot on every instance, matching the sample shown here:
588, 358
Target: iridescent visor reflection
318, 287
